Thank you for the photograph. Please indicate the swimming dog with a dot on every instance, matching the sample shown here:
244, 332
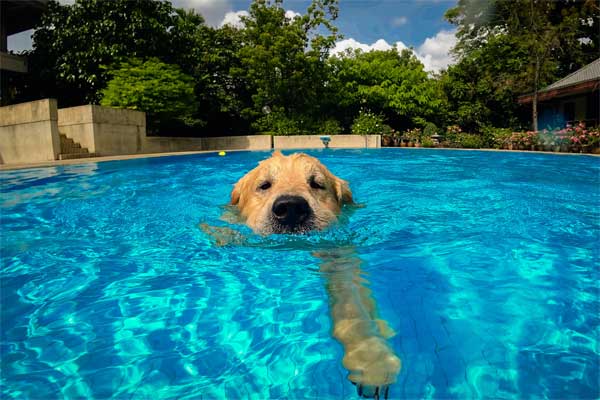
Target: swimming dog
296, 194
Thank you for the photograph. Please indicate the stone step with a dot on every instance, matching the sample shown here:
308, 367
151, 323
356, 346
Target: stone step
72, 156
69, 146
69, 142
67, 149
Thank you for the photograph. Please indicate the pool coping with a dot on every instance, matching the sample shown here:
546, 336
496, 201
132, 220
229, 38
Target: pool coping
58, 163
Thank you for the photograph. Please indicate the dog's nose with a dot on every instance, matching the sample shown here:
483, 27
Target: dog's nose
291, 211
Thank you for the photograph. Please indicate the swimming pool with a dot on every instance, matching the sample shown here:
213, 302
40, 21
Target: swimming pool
485, 264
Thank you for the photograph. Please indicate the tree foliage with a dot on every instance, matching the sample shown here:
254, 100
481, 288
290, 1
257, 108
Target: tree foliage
512, 47
161, 90
282, 64
283, 60
394, 84
73, 41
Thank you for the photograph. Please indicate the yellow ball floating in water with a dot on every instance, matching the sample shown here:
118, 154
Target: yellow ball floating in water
222, 153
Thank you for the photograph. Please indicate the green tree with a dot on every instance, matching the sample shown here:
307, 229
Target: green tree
394, 84
481, 87
282, 62
549, 38
73, 41
161, 90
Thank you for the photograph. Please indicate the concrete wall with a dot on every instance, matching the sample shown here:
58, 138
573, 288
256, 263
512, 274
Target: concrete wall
337, 141
158, 144
77, 124
256, 142
29, 132
104, 130
111, 131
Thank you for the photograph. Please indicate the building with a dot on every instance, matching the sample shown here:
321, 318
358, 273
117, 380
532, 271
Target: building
574, 98
16, 16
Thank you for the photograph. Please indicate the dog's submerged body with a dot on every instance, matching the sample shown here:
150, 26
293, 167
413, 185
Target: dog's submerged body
296, 194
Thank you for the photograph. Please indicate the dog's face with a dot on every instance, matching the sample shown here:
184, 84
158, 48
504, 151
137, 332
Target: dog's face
287, 194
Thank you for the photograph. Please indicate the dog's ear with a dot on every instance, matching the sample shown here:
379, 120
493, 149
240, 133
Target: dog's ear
277, 153
235, 196
342, 191
236, 192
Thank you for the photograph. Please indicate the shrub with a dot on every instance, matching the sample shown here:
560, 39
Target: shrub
368, 123
546, 138
570, 135
524, 139
278, 123
427, 142
581, 135
329, 127
451, 133
413, 134
469, 141
161, 90
495, 138
430, 129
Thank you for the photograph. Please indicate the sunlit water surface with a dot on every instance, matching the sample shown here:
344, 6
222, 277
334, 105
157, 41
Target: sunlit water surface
486, 265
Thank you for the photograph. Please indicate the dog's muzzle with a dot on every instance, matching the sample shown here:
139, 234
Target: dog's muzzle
291, 214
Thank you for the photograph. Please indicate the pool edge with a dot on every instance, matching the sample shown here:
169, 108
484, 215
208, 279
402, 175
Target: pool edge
56, 163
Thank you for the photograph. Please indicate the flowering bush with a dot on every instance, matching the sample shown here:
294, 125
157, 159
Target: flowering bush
580, 135
453, 130
524, 139
577, 135
413, 134
368, 123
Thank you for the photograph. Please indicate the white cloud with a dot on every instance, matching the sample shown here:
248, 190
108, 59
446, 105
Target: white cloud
290, 14
212, 10
233, 18
343, 45
399, 21
434, 52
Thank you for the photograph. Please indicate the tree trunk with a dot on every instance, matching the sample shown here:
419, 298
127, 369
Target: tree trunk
534, 104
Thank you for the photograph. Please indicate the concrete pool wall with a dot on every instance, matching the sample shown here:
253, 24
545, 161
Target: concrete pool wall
29, 132
38, 132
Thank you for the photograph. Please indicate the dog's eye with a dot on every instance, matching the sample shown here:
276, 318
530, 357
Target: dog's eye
315, 185
265, 185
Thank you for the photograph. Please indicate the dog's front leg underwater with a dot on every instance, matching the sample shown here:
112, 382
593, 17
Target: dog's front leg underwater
369, 359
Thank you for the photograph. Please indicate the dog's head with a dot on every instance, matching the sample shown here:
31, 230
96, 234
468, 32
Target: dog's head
287, 194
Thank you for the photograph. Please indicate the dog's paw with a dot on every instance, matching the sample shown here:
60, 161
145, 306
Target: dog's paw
222, 235
372, 364
374, 392
384, 329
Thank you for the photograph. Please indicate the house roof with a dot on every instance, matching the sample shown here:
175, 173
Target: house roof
21, 15
587, 73
584, 80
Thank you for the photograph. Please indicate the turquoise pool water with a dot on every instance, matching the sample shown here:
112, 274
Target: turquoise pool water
486, 264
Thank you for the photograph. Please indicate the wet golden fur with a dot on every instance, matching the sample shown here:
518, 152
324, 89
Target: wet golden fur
295, 175
370, 360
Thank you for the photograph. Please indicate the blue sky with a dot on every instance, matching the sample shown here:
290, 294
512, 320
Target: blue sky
410, 21
366, 24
